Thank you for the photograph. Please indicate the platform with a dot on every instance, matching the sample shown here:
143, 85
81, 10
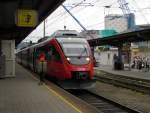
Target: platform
129, 73
22, 94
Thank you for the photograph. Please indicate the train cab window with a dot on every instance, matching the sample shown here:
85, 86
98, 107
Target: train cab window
55, 55
49, 52
48, 55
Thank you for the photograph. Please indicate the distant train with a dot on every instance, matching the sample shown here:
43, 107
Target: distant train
65, 56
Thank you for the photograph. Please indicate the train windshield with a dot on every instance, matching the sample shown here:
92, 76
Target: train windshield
76, 49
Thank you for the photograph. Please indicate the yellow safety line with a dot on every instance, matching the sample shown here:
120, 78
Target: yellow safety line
61, 97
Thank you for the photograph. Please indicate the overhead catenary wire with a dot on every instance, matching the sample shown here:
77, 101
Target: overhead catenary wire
95, 2
57, 18
77, 7
62, 14
72, 7
141, 12
77, 4
95, 24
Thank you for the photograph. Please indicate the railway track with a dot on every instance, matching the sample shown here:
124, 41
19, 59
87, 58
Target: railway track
140, 85
101, 103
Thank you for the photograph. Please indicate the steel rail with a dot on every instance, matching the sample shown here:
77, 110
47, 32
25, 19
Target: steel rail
103, 104
137, 84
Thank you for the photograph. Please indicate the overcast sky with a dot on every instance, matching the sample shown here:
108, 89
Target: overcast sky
91, 14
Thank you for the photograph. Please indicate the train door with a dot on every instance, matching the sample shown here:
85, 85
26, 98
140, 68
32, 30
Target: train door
57, 63
31, 61
30, 55
55, 66
34, 59
25, 58
49, 61
28, 58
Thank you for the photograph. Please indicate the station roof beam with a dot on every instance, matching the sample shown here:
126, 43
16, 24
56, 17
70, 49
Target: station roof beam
8, 8
116, 40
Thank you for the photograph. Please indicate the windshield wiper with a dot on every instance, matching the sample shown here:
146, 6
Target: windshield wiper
83, 51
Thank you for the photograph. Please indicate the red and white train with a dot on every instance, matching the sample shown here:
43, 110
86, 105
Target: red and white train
64, 56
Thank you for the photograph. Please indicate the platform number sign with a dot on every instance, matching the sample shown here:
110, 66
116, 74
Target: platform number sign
26, 18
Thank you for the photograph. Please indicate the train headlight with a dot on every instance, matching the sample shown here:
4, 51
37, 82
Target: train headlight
68, 58
69, 38
87, 59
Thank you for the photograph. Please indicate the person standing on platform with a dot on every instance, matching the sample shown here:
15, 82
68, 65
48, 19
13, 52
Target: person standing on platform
140, 64
115, 58
147, 64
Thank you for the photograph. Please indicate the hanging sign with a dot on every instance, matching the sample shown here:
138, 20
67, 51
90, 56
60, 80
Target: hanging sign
26, 18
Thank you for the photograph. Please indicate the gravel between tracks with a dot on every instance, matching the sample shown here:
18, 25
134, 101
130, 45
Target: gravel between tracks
124, 96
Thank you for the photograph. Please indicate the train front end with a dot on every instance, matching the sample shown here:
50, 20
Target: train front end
78, 65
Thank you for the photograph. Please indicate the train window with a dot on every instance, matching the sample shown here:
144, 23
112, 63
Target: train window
55, 55
48, 55
48, 52
35, 54
75, 49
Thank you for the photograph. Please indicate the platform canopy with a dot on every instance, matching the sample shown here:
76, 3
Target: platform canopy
117, 40
19, 17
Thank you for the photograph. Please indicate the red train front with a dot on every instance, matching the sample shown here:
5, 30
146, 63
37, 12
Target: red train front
73, 67
68, 59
